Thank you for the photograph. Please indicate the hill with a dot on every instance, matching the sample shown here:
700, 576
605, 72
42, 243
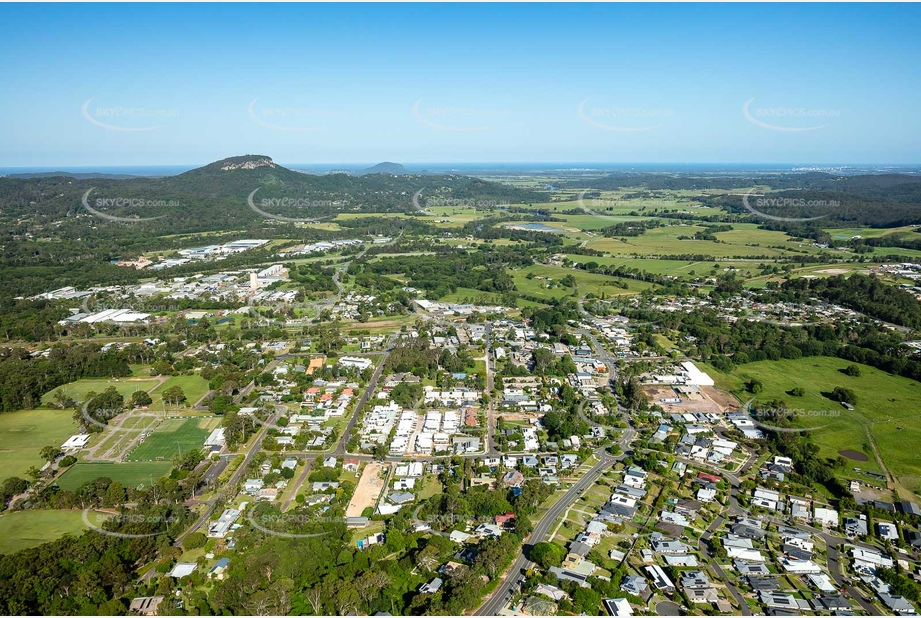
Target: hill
214, 197
383, 168
53, 223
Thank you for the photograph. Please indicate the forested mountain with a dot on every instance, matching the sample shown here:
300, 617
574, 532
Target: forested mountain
214, 196
383, 168
50, 238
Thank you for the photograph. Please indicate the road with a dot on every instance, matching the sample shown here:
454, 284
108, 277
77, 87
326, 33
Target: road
497, 600
833, 543
270, 422
320, 305
703, 544
235, 477
491, 449
369, 390
834, 568
297, 485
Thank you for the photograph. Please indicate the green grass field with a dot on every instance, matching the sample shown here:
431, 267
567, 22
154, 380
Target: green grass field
120, 439
24, 529
431, 486
193, 386
865, 232
746, 240
556, 227
23, 434
78, 390
888, 405
674, 268
128, 474
586, 282
900, 251
172, 436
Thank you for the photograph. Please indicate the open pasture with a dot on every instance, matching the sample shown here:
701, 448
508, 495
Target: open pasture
887, 407
24, 433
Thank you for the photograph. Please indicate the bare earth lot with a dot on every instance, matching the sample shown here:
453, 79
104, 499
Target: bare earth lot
697, 402
369, 489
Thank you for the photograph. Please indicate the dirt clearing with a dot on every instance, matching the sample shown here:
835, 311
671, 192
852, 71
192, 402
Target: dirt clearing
369, 489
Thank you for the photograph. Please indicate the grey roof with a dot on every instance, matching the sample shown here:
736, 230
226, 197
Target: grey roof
579, 548
751, 568
695, 579
669, 546
400, 497
896, 603
634, 584
832, 602
568, 575
745, 530
763, 583
796, 552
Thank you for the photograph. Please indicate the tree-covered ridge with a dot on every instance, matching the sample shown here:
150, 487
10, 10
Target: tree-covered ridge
869, 295
212, 197
47, 230
751, 341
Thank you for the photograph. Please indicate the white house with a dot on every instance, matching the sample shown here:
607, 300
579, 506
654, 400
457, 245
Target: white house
826, 517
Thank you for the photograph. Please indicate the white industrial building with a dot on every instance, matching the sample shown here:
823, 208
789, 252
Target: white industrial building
354, 361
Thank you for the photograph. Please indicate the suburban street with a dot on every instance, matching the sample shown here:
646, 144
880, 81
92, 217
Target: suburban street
254, 448
500, 596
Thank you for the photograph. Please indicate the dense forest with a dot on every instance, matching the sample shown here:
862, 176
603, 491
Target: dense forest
484, 270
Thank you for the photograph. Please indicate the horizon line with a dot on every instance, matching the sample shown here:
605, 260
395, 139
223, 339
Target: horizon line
62, 166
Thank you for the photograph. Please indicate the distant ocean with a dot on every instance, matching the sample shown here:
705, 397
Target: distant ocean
507, 168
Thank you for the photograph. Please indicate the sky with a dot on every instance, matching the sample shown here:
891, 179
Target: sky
140, 84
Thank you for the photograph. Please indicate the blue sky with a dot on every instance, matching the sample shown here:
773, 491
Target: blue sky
112, 84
